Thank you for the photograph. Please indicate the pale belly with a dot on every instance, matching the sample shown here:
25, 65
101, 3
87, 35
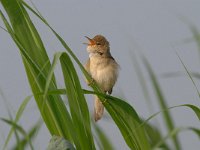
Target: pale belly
105, 76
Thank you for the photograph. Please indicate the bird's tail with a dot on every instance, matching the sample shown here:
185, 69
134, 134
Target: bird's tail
98, 109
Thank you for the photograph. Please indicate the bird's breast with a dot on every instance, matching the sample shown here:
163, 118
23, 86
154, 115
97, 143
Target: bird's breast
104, 71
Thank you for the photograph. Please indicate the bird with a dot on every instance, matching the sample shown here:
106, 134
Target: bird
103, 69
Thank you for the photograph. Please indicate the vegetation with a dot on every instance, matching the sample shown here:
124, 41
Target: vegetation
74, 123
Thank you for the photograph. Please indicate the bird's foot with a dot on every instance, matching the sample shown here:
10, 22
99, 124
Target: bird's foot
91, 82
105, 100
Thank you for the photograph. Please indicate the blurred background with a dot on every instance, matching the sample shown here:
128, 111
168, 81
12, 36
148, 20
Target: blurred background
156, 28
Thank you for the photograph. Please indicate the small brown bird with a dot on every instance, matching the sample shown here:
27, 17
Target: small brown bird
102, 67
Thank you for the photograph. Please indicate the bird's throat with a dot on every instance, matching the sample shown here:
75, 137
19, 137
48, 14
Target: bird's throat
95, 54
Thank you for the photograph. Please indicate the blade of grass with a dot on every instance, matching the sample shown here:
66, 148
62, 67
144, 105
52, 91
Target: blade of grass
10, 116
31, 134
17, 117
141, 78
180, 73
196, 35
35, 58
162, 102
171, 134
78, 106
174, 132
20, 129
126, 119
154, 136
188, 73
197, 131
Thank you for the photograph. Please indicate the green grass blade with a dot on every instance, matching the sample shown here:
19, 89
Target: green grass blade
51, 73
154, 136
179, 74
18, 128
190, 76
170, 134
142, 81
162, 102
31, 134
196, 35
18, 115
195, 109
78, 106
174, 132
127, 121
195, 130
37, 66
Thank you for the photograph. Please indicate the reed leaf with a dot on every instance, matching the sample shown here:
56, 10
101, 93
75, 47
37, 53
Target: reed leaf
37, 66
162, 102
19, 129
17, 117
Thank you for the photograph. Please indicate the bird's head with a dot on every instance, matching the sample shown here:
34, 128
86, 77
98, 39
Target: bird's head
98, 44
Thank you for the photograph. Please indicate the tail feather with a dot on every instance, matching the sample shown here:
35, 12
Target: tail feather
98, 109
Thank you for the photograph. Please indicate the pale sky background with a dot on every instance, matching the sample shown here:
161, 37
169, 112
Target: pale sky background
149, 26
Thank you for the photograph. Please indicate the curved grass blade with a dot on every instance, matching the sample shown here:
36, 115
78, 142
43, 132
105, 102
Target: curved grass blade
194, 108
195, 130
154, 136
174, 132
143, 84
162, 102
196, 35
188, 73
126, 119
171, 134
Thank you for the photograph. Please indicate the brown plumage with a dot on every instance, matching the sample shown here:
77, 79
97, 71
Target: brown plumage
102, 67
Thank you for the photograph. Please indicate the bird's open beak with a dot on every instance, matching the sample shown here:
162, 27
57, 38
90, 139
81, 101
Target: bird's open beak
91, 42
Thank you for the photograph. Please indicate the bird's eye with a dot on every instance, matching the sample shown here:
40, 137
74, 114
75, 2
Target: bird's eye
98, 43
